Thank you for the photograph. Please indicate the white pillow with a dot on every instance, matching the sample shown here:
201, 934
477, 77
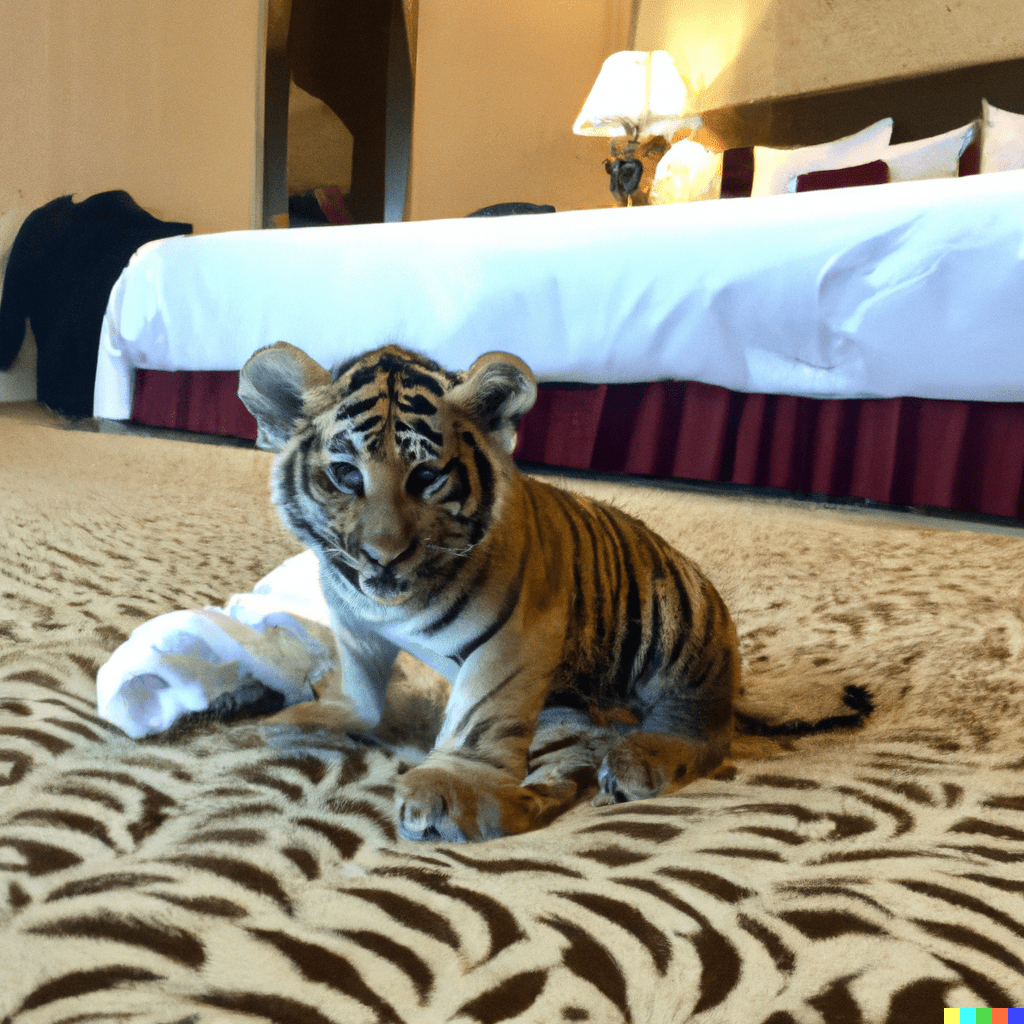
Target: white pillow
1002, 139
936, 157
773, 168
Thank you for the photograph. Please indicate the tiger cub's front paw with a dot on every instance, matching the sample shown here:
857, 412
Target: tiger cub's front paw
425, 814
462, 803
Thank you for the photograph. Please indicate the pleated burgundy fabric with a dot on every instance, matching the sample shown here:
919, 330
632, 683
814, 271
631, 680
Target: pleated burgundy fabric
963, 456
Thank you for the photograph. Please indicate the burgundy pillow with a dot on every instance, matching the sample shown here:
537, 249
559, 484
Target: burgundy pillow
970, 158
737, 172
874, 173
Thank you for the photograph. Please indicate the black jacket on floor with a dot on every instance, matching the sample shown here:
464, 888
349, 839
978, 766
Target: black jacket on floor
65, 259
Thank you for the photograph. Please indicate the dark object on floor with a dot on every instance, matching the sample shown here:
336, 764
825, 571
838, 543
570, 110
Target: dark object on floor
251, 700
319, 207
505, 209
64, 261
305, 208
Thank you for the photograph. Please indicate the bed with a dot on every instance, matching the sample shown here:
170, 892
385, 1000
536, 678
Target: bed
854, 342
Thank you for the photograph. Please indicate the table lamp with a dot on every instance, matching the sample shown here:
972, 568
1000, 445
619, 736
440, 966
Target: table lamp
637, 103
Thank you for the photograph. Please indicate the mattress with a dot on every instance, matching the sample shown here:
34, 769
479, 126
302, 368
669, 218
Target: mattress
910, 289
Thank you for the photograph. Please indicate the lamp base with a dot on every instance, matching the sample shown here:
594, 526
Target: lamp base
631, 166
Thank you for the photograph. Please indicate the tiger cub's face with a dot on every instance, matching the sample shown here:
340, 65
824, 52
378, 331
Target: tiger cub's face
390, 467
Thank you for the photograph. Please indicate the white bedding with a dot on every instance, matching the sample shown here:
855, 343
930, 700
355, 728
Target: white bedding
914, 288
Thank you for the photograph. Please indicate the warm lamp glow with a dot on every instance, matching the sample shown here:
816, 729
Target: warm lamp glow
687, 172
724, 48
637, 94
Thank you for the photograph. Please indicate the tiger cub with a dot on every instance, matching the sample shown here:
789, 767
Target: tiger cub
399, 475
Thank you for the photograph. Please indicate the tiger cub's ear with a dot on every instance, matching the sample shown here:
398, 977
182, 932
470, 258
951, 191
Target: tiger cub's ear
273, 385
497, 391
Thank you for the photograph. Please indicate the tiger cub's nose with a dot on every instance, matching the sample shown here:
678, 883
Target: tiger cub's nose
385, 552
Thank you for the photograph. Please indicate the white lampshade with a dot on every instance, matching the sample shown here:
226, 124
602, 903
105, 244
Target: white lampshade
637, 93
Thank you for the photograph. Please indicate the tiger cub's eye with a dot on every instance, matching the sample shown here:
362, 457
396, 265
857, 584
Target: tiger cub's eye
346, 477
424, 479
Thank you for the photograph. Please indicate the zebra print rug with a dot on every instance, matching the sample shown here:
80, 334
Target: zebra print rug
871, 872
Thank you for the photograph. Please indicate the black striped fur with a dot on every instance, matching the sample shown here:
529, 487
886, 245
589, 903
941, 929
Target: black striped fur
399, 475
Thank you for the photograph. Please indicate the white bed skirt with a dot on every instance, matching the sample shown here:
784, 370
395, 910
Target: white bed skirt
909, 289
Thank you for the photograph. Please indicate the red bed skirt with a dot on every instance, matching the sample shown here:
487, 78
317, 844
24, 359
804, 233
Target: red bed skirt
963, 456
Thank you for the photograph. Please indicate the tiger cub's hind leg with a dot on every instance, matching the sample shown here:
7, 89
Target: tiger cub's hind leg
685, 731
645, 764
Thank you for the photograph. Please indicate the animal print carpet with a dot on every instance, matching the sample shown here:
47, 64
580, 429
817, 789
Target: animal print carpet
252, 872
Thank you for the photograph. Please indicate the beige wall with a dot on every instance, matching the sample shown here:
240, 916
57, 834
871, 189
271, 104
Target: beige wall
163, 99
497, 88
738, 51
166, 99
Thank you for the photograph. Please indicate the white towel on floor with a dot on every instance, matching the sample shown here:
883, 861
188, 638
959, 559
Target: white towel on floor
278, 635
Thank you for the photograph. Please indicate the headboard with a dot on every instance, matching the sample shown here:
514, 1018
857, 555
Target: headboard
920, 107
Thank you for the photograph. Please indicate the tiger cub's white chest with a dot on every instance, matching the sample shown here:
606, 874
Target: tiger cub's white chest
402, 635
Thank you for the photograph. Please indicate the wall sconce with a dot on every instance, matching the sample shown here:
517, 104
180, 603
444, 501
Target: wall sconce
637, 103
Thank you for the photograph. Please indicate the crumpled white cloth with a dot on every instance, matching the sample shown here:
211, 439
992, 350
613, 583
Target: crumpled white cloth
278, 635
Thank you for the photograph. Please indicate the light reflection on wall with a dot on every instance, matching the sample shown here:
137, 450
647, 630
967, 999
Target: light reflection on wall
732, 52
704, 37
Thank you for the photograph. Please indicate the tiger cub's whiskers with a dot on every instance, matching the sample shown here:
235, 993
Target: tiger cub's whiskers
463, 551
